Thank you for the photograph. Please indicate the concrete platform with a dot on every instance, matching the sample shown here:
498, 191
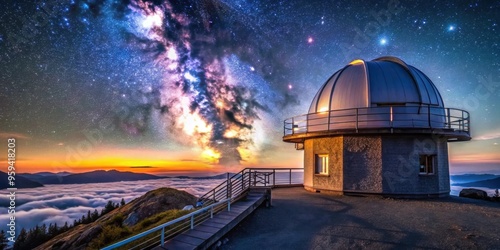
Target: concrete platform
300, 219
210, 231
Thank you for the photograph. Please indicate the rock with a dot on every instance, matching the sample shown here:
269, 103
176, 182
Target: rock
88, 235
199, 203
154, 202
131, 219
473, 193
188, 208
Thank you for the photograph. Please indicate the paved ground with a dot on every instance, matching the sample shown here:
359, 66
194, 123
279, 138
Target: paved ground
304, 220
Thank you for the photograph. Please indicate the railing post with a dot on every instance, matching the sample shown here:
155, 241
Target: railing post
242, 181
162, 238
357, 115
429, 115
284, 127
328, 124
274, 177
293, 125
229, 205
290, 176
449, 120
468, 121
462, 121
307, 123
211, 212
392, 117
214, 195
249, 178
255, 179
227, 186
192, 221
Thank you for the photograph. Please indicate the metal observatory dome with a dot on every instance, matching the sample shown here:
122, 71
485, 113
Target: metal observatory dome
384, 81
382, 95
378, 127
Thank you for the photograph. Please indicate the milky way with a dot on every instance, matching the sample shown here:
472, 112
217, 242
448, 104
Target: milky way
191, 43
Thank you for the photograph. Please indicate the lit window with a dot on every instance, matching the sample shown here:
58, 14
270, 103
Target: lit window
321, 164
427, 163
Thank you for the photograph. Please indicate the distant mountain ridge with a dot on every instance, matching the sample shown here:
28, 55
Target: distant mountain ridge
97, 176
20, 182
44, 177
102, 176
490, 183
64, 173
219, 176
465, 178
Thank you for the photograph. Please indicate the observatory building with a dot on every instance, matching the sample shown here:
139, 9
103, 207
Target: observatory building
378, 127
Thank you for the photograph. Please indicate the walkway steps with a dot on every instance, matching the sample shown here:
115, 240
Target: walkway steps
210, 231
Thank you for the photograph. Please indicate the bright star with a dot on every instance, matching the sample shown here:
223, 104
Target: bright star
383, 41
451, 28
310, 40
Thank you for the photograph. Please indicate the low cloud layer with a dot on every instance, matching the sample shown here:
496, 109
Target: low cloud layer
65, 203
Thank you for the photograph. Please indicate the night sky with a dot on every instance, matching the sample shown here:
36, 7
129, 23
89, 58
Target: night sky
205, 85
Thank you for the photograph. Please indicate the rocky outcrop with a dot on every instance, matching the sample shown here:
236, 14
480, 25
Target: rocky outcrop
76, 239
474, 193
155, 202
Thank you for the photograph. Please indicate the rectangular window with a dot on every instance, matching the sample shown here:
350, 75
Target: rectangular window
427, 163
321, 164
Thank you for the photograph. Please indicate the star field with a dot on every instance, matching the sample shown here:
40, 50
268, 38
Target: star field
213, 80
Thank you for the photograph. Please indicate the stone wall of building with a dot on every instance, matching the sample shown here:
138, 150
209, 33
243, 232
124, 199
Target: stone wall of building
387, 164
308, 163
443, 165
400, 157
333, 147
363, 163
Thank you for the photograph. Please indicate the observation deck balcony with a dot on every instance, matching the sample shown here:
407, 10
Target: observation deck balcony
451, 123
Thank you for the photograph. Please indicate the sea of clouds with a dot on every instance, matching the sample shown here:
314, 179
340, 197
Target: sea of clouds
65, 203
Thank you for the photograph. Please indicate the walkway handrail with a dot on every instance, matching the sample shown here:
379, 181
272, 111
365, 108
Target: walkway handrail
238, 183
172, 222
229, 191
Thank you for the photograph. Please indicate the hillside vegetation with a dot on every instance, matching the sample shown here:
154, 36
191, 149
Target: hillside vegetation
152, 209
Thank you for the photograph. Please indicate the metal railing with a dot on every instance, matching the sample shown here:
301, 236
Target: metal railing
237, 184
214, 201
400, 117
162, 227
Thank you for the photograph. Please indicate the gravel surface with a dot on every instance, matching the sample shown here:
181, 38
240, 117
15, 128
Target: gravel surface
303, 220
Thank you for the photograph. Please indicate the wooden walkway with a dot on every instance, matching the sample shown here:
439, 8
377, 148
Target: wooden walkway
210, 231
